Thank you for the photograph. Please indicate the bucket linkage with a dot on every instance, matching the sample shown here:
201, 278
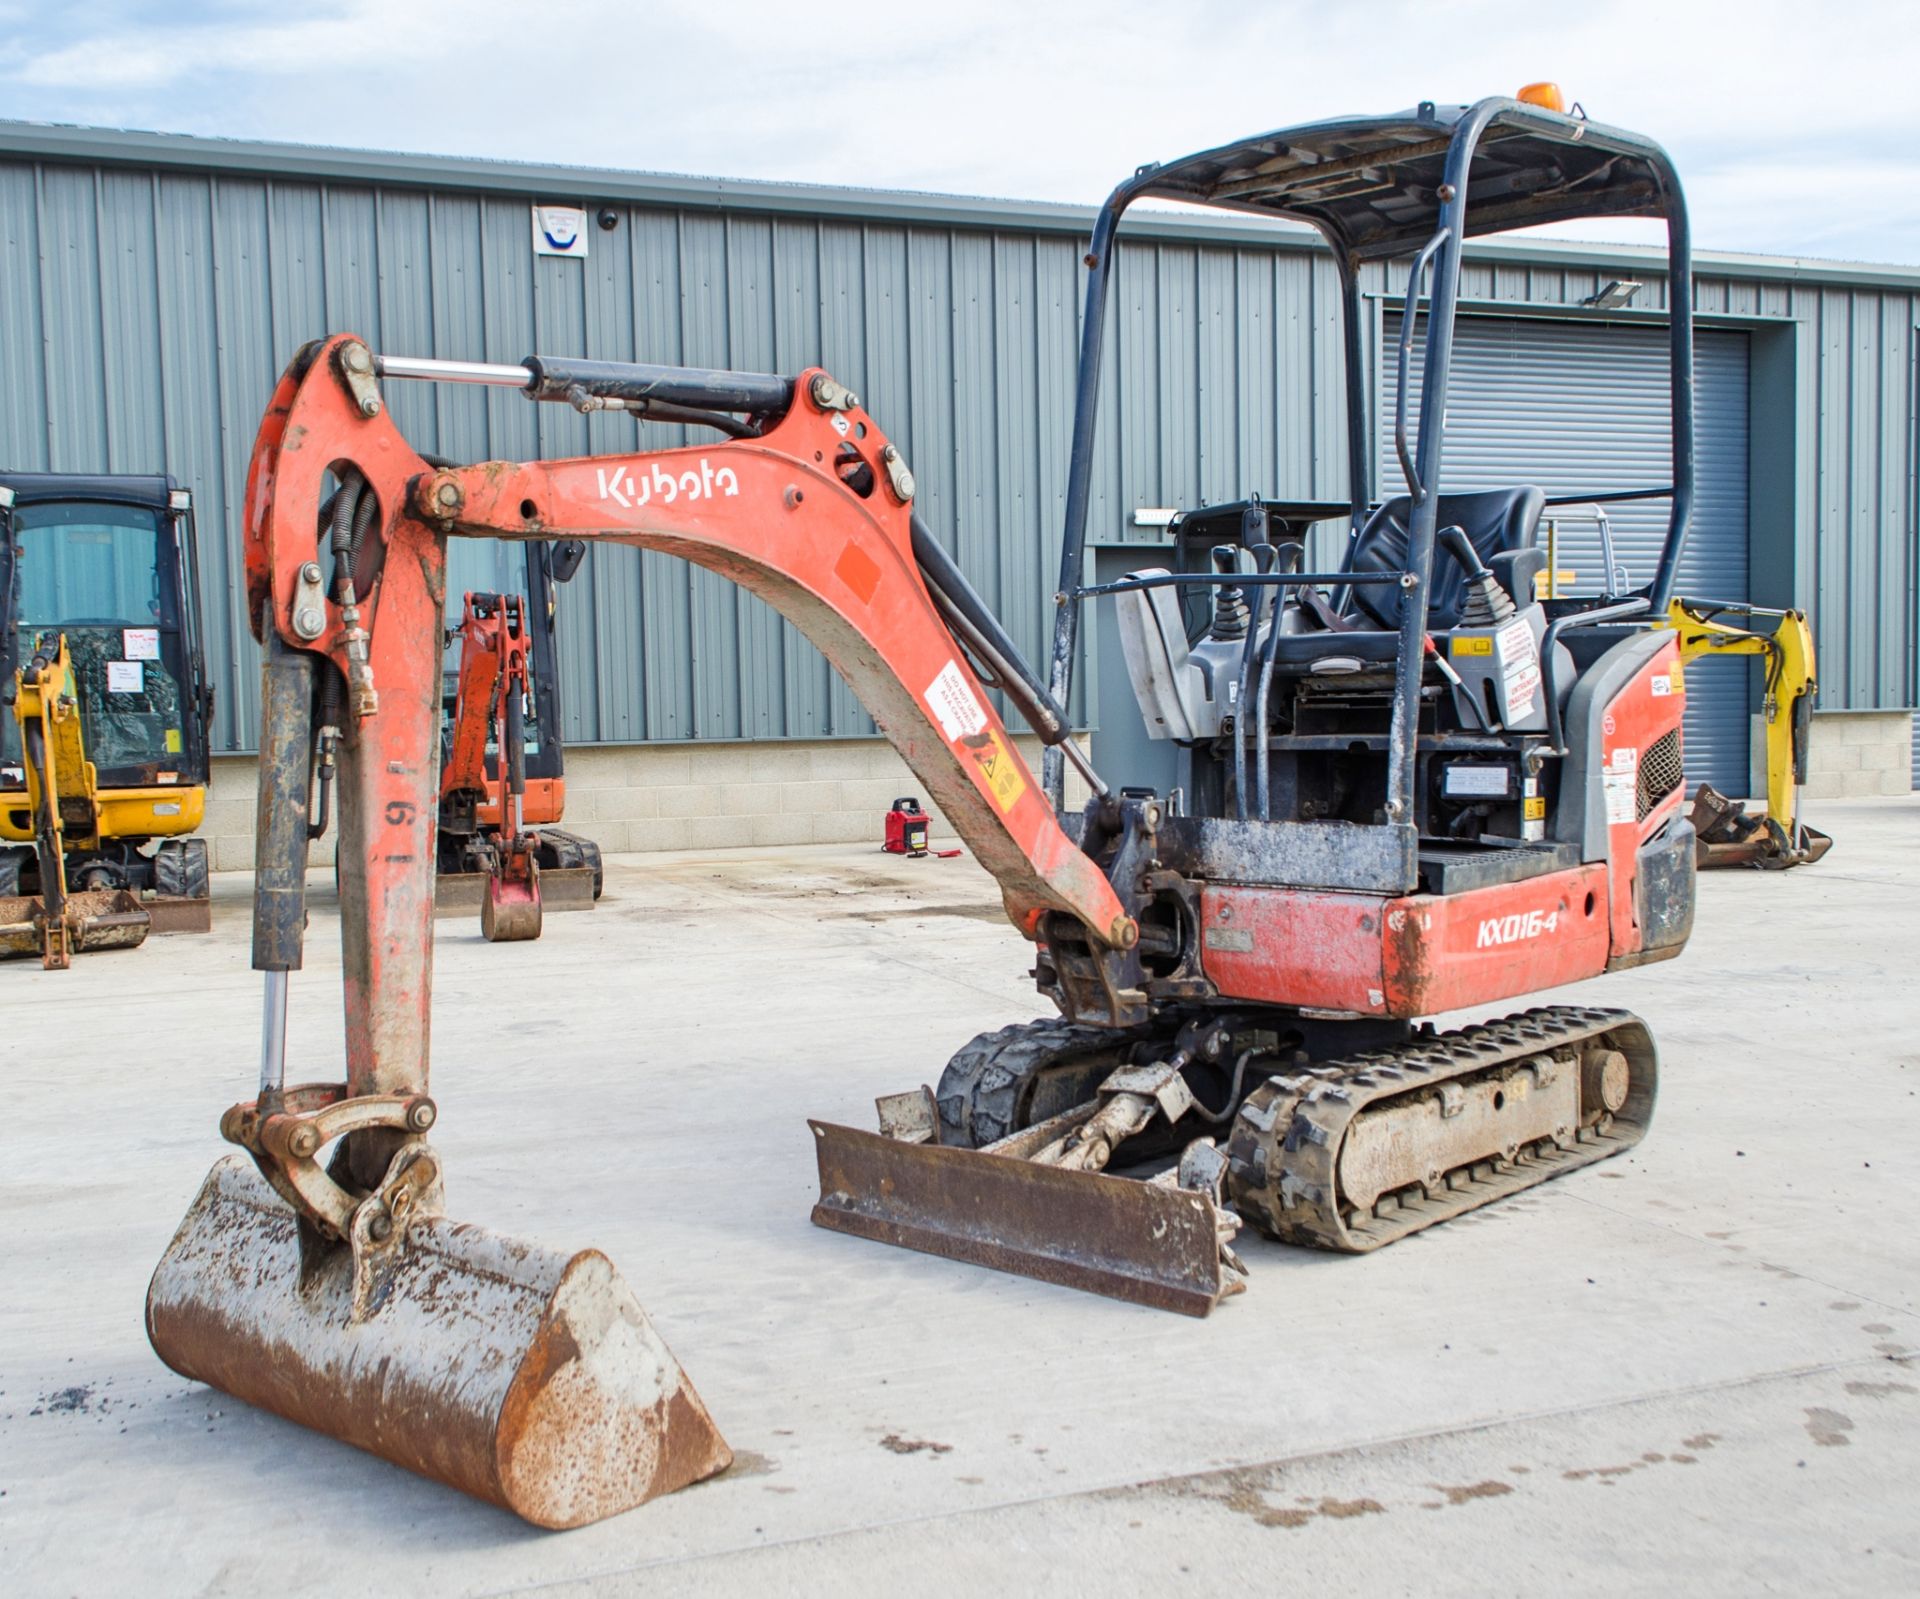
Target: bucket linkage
317, 1275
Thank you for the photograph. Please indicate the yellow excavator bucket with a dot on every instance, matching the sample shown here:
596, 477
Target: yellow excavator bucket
108, 919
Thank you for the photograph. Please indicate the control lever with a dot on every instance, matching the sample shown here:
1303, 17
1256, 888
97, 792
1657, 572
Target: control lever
1488, 604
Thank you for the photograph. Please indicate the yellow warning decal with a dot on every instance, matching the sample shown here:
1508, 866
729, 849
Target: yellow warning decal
1536, 807
173, 741
1001, 769
1678, 676
1482, 645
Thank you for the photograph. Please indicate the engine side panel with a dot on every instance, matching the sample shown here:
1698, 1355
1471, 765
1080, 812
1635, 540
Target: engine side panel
1409, 956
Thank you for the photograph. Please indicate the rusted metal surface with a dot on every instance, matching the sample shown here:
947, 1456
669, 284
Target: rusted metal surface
170, 914
1417, 1140
1727, 834
562, 888
1144, 1242
510, 909
526, 1376
95, 920
912, 1117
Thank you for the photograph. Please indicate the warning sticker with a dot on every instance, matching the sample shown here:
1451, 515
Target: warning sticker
1535, 808
999, 766
1470, 644
126, 677
954, 705
140, 643
1621, 780
1519, 665
1662, 686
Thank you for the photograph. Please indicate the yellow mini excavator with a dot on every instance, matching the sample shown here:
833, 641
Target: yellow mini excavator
103, 744
1724, 833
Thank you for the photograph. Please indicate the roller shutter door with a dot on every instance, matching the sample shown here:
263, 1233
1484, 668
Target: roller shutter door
1578, 408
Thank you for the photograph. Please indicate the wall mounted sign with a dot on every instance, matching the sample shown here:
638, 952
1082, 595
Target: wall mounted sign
559, 230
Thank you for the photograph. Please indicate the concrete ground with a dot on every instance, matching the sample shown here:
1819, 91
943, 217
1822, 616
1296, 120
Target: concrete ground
1693, 1367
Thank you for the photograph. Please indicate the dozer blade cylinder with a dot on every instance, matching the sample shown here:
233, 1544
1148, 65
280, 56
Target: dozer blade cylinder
526, 1376
1142, 1242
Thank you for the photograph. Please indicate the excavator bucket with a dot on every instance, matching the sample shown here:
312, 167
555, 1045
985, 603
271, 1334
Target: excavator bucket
95, 920
510, 913
526, 1376
1725, 834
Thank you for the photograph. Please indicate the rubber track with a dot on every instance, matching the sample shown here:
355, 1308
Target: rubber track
1284, 1149
982, 1087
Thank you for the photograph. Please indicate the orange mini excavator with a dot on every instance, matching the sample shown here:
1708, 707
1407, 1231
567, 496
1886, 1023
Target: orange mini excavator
1406, 785
502, 781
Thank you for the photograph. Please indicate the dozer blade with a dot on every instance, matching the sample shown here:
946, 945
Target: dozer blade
96, 920
525, 1376
1140, 1241
510, 913
562, 888
172, 913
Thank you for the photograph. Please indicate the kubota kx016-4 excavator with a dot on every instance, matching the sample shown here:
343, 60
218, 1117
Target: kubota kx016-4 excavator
502, 778
1407, 788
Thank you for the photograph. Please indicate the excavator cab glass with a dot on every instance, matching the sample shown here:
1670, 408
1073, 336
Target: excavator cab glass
112, 575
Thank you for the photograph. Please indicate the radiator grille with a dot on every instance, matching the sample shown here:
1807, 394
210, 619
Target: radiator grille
1660, 772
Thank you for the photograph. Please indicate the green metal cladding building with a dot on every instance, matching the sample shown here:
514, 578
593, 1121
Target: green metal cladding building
152, 287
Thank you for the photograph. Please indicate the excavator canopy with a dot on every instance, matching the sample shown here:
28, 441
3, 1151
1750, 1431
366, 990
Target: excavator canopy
1371, 184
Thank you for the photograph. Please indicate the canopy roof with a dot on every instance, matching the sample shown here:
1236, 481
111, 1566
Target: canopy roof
1370, 183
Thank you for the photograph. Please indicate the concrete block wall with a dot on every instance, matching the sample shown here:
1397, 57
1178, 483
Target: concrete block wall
1855, 754
669, 797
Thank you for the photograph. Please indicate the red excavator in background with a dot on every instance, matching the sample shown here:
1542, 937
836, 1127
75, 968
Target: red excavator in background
502, 779
1407, 786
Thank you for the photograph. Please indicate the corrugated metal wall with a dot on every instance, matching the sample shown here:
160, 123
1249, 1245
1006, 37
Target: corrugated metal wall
144, 315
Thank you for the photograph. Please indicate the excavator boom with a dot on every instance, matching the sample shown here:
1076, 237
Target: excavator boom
286, 1281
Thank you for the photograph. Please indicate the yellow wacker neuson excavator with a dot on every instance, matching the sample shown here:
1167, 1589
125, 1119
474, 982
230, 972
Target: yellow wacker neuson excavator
1405, 786
103, 744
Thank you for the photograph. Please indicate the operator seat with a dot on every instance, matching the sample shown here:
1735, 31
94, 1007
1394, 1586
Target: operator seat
1498, 521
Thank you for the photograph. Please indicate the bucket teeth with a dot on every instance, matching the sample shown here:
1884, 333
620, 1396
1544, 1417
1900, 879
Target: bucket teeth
526, 1376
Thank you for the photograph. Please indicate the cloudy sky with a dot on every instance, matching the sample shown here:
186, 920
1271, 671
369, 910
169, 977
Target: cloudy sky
1794, 124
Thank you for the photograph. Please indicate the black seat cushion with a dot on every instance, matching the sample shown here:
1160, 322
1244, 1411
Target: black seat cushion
1497, 520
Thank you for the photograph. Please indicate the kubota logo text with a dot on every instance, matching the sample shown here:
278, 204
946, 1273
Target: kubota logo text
622, 487
1512, 929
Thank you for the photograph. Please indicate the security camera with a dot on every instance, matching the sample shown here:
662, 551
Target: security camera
608, 218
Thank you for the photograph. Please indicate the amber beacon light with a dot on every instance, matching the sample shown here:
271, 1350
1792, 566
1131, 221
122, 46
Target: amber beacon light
1546, 95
